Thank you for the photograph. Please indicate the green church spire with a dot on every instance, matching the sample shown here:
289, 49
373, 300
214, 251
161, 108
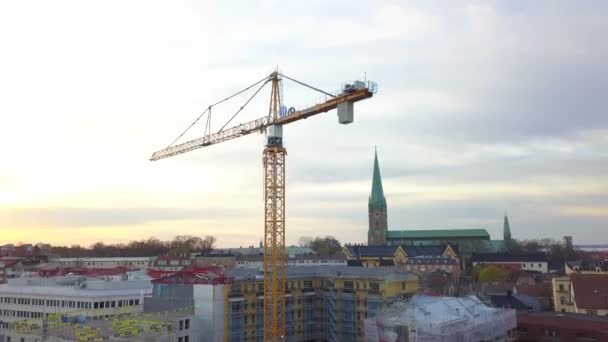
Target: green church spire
506, 230
376, 199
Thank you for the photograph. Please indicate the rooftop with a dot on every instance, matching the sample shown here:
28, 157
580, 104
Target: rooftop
564, 320
72, 286
439, 234
508, 257
590, 290
389, 251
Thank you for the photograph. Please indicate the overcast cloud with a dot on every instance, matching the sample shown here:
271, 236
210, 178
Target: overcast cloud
483, 107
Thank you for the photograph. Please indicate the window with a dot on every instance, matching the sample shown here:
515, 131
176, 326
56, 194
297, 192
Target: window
539, 265
187, 324
181, 326
307, 284
561, 287
348, 285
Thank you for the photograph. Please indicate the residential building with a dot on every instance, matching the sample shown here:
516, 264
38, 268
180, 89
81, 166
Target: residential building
586, 267
252, 250
8, 266
322, 303
7, 250
417, 259
536, 262
216, 258
509, 300
557, 326
581, 293
441, 319
298, 260
109, 262
532, 288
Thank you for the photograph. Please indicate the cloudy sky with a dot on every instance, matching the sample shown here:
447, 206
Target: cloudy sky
482, 107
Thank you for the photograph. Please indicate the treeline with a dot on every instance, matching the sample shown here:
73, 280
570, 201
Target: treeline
327, 245
152, 246
555, 250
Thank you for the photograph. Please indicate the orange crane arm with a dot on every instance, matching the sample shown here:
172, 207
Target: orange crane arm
259, 125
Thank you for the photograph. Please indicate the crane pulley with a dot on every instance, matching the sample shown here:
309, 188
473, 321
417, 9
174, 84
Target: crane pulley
274, 174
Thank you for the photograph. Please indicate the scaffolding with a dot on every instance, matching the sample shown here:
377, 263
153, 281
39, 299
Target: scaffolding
441, 319
330, 310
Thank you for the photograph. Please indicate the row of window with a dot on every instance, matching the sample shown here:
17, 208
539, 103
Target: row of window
430, 268
70, 304
172, 262
22, 314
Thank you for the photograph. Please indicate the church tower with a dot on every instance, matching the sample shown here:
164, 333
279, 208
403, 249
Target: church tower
378, 225
506, 230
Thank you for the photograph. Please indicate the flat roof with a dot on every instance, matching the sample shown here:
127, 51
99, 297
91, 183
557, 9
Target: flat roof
68, 287
338, 272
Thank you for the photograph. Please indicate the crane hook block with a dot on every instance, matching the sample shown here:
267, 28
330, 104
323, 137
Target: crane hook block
345, 112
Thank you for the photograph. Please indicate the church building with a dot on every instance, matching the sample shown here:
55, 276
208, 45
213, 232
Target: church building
467, 241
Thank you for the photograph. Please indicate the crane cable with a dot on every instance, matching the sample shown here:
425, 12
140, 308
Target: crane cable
246, 103
307, 85
266, 78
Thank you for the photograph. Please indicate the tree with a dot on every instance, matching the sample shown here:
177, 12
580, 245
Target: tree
325, 246
492, 273
304, 241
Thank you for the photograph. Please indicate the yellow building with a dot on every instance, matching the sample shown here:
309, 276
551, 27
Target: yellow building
581, 293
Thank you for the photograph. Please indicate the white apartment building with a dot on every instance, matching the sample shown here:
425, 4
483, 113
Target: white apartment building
111, 262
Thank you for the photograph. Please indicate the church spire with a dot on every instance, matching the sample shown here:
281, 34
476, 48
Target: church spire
506, 229
376, 199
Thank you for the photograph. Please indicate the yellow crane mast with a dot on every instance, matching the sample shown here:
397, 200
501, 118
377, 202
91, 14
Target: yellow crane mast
274, 174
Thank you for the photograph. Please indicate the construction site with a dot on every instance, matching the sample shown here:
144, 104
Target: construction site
441, 319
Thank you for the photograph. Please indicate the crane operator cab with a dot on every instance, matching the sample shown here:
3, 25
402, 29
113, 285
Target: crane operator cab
274, 136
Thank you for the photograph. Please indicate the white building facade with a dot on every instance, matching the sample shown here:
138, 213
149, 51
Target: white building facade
37, 298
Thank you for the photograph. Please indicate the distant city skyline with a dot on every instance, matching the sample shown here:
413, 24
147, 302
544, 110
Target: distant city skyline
481, 108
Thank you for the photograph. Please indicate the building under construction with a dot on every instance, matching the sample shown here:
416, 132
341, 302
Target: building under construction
441, 319
322, 303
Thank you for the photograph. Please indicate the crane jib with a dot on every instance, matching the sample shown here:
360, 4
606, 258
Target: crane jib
259, 125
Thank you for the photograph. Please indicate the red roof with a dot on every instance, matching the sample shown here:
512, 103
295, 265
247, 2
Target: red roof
590, 290
559, 320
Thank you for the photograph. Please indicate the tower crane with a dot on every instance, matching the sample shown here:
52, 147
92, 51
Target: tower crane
274, 173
